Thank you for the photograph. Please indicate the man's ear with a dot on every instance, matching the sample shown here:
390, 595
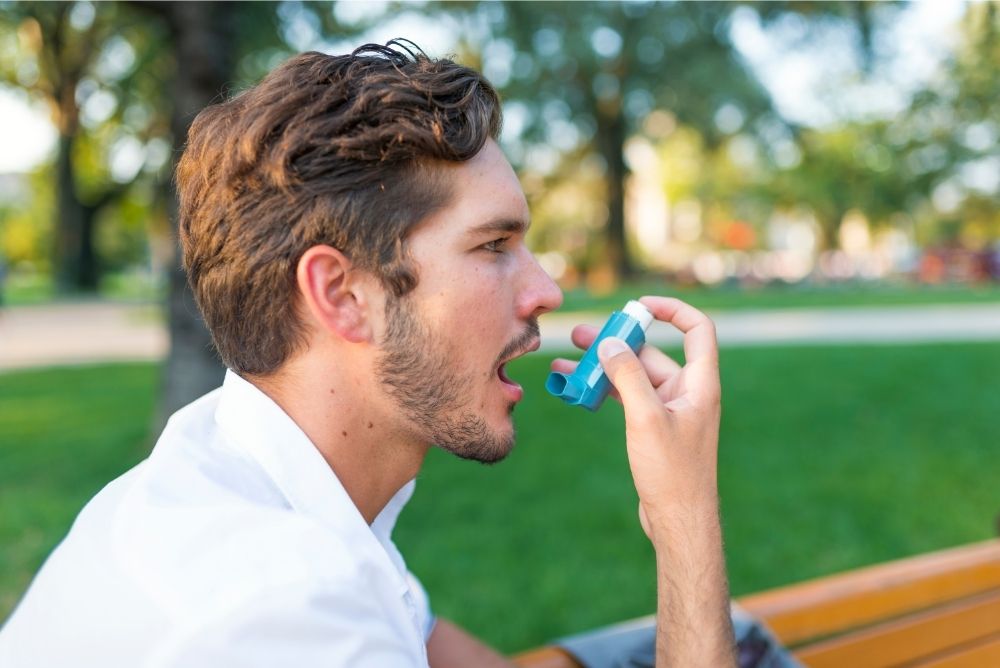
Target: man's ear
332, 295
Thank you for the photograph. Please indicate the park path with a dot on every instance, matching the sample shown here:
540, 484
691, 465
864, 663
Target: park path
77, 333
851, 325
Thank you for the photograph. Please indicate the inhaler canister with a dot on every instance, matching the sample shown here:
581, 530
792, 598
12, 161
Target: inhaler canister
589, 385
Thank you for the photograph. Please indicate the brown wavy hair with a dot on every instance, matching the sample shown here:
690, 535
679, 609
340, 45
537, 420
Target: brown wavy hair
337, 150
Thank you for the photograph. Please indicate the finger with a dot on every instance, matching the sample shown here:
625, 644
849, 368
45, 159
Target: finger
659, 366
583, 336
700, 344
628, 375
644, 521
563, 365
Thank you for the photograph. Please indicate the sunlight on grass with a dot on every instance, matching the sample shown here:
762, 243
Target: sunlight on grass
832, 457
64, 434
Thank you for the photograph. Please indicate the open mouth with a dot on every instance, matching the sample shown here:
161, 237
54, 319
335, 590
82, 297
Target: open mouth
502, 367
504, 378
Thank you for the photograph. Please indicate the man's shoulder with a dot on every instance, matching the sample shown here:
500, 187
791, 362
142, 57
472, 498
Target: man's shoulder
201, 521
203, 533
207, 521
181, 582
189, 557
195, 418
156, 554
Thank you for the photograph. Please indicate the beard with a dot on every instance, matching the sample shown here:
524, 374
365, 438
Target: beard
423, 380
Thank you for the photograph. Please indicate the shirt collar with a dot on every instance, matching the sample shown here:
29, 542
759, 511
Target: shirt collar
259, 427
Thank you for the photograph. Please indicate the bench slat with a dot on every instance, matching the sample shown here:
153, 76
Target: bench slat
977, 655
910, 638
940, 609
545, 657
837, 603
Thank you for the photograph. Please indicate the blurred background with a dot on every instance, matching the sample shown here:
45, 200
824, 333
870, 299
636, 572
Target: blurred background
808, 172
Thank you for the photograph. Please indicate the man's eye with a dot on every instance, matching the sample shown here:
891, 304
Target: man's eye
495, 246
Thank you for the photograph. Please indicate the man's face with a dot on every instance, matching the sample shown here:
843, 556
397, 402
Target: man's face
475, 307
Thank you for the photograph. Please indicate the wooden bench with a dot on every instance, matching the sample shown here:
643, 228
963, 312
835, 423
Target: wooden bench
940, 609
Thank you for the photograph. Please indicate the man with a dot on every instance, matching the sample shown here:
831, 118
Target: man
355, 240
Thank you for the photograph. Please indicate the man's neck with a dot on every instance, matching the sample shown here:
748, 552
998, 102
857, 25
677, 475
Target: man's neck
368, 453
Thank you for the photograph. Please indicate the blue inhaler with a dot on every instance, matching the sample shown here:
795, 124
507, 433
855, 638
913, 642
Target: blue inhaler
589, 385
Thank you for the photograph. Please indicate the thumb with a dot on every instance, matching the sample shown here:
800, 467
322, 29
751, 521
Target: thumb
625, 372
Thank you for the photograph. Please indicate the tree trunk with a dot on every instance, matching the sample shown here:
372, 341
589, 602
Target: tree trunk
90, 268
611, 135
69, 221
76, 264
75, 261
203, 47
831, 227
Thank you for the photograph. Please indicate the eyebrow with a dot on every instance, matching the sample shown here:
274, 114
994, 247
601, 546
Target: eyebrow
505, 225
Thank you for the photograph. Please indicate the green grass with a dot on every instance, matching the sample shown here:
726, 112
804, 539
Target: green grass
20, 289
803, 295
832, 457
64, 433
28, 289
23, 289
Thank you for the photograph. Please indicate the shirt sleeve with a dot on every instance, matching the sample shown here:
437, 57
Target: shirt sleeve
295, 626
423, 604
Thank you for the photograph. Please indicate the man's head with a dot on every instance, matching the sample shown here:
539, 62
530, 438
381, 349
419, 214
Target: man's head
337, 150
359, 205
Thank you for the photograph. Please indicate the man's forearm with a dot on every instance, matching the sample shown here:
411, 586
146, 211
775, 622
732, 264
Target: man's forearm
452, 647
693, 625
672, 416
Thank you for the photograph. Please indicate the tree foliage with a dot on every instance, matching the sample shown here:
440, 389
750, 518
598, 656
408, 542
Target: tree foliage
583, 76
589, 89
99, 72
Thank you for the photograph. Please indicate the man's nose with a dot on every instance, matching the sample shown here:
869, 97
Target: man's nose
540, 293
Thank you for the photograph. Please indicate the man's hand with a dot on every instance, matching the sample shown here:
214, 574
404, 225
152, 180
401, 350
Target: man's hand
672, 433
452, 647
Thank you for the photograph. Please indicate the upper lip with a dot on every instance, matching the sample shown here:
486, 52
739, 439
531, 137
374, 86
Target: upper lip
531, 347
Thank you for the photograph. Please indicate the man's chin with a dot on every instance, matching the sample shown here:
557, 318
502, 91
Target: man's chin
490, 455
489, 448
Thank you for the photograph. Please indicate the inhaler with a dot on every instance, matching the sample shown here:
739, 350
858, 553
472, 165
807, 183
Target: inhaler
589, 385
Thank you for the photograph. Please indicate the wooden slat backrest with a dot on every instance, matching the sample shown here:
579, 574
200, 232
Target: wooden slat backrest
927, 589
545, 657
985, 652
911, 638
836, 603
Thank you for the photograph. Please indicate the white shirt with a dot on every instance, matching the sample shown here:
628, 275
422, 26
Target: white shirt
233, 544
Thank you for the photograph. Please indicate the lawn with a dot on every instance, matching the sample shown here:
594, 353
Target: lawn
832, 457
28, 289
22, 290
64, 433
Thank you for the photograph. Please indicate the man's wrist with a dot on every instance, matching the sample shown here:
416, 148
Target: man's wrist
670, 522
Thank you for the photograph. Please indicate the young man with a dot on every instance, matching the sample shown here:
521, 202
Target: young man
355, 241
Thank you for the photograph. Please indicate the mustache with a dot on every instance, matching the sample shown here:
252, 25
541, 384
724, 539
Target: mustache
520, 342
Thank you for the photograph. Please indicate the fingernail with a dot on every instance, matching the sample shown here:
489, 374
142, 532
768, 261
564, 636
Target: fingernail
611, 346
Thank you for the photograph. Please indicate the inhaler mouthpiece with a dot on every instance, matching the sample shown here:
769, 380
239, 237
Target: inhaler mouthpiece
589, 385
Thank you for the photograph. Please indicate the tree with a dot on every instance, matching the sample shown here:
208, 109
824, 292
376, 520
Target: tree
156, 64
215, 47
953, 128
201, 43
947, 138
71, 55
593, 71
